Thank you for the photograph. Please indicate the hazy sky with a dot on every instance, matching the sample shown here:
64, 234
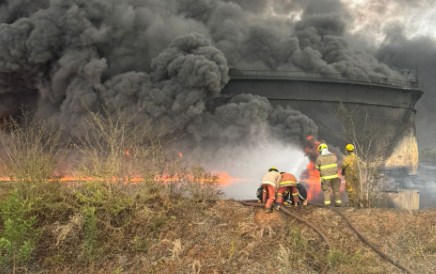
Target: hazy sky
403, 32
371, 18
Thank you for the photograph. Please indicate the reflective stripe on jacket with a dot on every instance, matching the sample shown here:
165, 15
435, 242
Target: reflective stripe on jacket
288, 179
271, 178
327, 166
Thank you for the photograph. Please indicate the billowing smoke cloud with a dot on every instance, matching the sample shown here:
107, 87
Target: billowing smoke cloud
182, 79
402, 35
168, 60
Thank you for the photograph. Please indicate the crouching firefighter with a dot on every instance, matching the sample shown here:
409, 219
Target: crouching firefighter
302, 196
327, 164
270, 181
288, 184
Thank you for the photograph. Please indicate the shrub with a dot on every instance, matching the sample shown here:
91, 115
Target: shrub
338, 258
82, 219
29, 150
115, 147
201, 186
90, 233
19, 234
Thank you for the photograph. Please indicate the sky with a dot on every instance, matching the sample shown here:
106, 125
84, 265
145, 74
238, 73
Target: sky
403, 32
371, 18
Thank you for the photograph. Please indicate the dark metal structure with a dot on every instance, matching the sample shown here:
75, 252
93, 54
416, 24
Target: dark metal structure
377, 114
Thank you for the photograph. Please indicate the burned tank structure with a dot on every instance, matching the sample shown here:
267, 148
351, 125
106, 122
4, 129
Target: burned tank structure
377, 114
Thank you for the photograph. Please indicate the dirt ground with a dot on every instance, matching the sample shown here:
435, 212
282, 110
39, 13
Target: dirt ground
229, 237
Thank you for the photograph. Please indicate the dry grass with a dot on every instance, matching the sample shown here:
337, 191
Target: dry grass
29, 150
183, 226
115, 147
226, 237
87, 224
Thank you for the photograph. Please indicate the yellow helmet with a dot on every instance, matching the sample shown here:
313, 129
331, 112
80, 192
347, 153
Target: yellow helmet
273, 168
349, 147
322, 146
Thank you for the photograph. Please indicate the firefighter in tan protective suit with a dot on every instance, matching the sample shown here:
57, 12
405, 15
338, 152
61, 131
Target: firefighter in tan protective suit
270, 182
350, 170
327, 164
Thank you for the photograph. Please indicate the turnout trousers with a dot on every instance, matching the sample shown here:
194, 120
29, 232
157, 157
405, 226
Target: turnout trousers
268, 195
331, 185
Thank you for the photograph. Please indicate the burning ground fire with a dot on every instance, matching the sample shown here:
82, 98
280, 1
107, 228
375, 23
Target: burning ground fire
309, 177
220, 178
63, 175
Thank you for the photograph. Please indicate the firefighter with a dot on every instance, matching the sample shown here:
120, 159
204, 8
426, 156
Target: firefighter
302, 195
287, 184
311, 148
270, 181
350, 171
327, 164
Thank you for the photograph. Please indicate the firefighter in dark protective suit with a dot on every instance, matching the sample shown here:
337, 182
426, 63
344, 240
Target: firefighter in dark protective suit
327, 164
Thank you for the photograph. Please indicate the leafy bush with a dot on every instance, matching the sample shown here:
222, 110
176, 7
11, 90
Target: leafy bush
90, 231
19, 234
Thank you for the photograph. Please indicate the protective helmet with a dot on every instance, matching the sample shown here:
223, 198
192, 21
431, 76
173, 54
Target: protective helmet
273, 168
322, 146
349, 147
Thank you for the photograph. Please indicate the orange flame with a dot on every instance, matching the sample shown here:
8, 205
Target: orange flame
221, 178
312, 179
311, 176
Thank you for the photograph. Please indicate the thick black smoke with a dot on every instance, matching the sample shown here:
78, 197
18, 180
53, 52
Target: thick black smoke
168, 59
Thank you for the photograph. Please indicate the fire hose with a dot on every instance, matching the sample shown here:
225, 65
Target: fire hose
287, 212
353, 228
364, 239
371, 245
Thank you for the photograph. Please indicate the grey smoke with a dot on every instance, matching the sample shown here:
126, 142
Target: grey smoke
415, 54
169, 60
251, 115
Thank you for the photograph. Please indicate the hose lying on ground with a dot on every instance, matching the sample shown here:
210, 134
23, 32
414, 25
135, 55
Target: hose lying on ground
371, 245
287, 212
365, 240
